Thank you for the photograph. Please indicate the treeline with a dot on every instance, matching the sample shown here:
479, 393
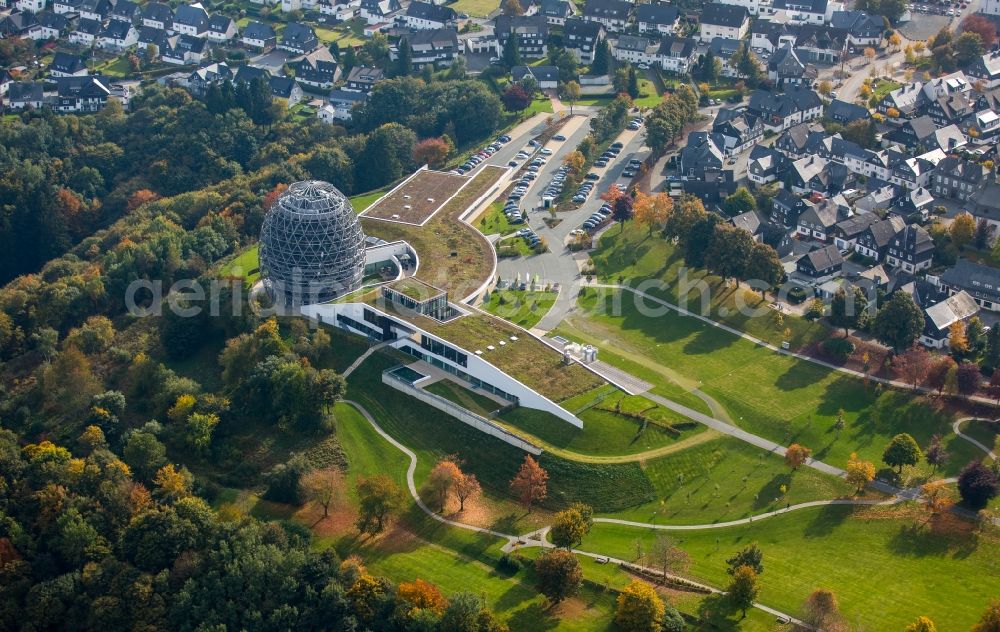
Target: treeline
667, 120
86, 544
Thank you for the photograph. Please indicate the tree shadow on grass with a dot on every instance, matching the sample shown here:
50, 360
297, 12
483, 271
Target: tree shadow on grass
532, 617
827, 520
708, 340
941, 535
772, 490
717, 613
799, 375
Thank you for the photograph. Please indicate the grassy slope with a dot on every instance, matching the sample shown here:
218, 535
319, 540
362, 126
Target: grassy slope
884, 571
517, 306
775, 396
468, 399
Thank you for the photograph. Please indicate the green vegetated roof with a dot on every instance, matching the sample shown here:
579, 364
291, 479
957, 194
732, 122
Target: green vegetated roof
526, 359
415, 289
453, 256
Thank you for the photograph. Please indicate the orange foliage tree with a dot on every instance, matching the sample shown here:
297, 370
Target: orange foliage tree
530, 484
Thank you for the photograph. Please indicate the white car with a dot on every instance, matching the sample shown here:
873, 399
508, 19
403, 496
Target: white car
494, 60
545, 151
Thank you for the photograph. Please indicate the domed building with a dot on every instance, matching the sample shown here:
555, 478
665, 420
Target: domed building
312, 249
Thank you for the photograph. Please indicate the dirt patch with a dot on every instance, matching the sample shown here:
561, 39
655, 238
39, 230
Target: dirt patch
339, 522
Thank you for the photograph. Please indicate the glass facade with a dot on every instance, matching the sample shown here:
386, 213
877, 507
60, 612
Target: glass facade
474, 381
445, 351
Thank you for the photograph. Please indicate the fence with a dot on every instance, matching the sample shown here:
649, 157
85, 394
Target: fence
465, 416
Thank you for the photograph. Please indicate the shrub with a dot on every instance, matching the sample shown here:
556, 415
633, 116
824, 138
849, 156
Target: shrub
509, 564
838, 348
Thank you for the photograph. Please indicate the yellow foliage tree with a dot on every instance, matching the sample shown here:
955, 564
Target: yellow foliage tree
652, 211
922, 624
422, 595
859, 473
958, 341
639, 608
172, 483
962, 229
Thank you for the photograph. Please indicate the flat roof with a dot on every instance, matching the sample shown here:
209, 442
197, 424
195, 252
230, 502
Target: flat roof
418, 198
415, 289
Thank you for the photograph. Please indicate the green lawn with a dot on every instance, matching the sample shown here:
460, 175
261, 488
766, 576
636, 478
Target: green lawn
494, 221
769, 394
884, 571
245, 264
513, 247
464, 397
882, 87
476, 8
524, 308
985, 432
648, 96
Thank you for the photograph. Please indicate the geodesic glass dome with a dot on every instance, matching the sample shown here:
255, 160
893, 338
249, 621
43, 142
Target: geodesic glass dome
311, 245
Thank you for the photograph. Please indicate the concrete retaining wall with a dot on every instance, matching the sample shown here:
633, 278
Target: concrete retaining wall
465, 416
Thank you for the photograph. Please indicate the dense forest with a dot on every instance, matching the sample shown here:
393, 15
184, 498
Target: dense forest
102, 523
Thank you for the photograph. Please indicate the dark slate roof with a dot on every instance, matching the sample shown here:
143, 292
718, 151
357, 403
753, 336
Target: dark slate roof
258, 31
555, 8
281, 86
125, 9
824, 258
82, 87
432, 12
523, 23
854, 226
723, 47
64, 62
882, 232
730, 15
249, 73
157, 11
844, 111
298, 34
191, 15
219, 23
22, 91
914, 239
657, 13
346, 96
117, 29
795, 99
581, 29
151, 35
55, 21
615, 9
672, 46
17, 23
977, 279
437, 38
91, 27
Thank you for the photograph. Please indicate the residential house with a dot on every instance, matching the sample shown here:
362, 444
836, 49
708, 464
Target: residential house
765, 165
750, 222
847, 231
981, 282
52, 26
814, 174
317, 69
878, 199
190, 19
800, 140
81, 94
820, 44
340, 10
95, 9
200, 80
152, 41
124, 10
875, 240
547, 77
531, 33
902, 100
845, 113
959, 179
818, 220
259, 36
66, 6
118, 35
913, 202
221, 28
817, 12
612, 14
363, 79
820, 263
439, 46
286, 89
911, 249
781, 111
86, 33
157, 15
986, 69
676, 54
939, 318
786, 208
770, 35
723, 49
723, 20
66, 65
247, 74
862, 30
912, 133
582, 36
425, 15
341, 104
6, 79
636, 49
24, 94
740, 129
785, 68
754, 7
19, 24
30, 6
379, 11
657, 17
704, 151
556, 12
184, 50
298, 39
984, 127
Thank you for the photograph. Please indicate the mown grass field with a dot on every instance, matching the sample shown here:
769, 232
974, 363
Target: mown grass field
524, 308
769, 394
885, 566
464, 397
476, 8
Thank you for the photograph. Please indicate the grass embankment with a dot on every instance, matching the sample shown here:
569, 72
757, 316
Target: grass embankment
494, 221
464, 397
524, 308
884, 564
772, 395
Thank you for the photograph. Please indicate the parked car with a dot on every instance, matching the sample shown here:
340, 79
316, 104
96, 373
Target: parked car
559, 137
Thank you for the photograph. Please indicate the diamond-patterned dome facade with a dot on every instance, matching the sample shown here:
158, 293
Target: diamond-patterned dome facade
312, 248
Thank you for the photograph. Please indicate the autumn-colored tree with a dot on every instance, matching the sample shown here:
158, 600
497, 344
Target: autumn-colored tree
182, 408
869, 53
576, 161
530, 484
570, 91
912, 367
271, 196
432, 152
652, 211
892, 113
938, 374
922, 624
559, 574
666, 556
958, 342
173, 484
936, 455
823, 611
990, 621
796, 455
638, 608
825, 87
962, 230
895, 40
865, 90
92, 438
378, 498
322, 486
935, 496
512, 7
743, 589
688, 211
140, 197
982, 26
571, 525
443, 477
422, 596
466, 488
859, 473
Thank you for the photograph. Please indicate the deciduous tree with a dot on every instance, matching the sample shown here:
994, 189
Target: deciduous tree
422, 596
559, 574
515, 98
899, 321
823, 611
466, 488
848, 308
859, 473
743, 589
978, 485
571, 525
665, 556
990, 621
323, 487
638, 608
935, 454
750, 555
378, 498
442, 479
912, 367
530, 484
902, 450
796, 455
922, 624
962, 229
432, 151
652, 211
